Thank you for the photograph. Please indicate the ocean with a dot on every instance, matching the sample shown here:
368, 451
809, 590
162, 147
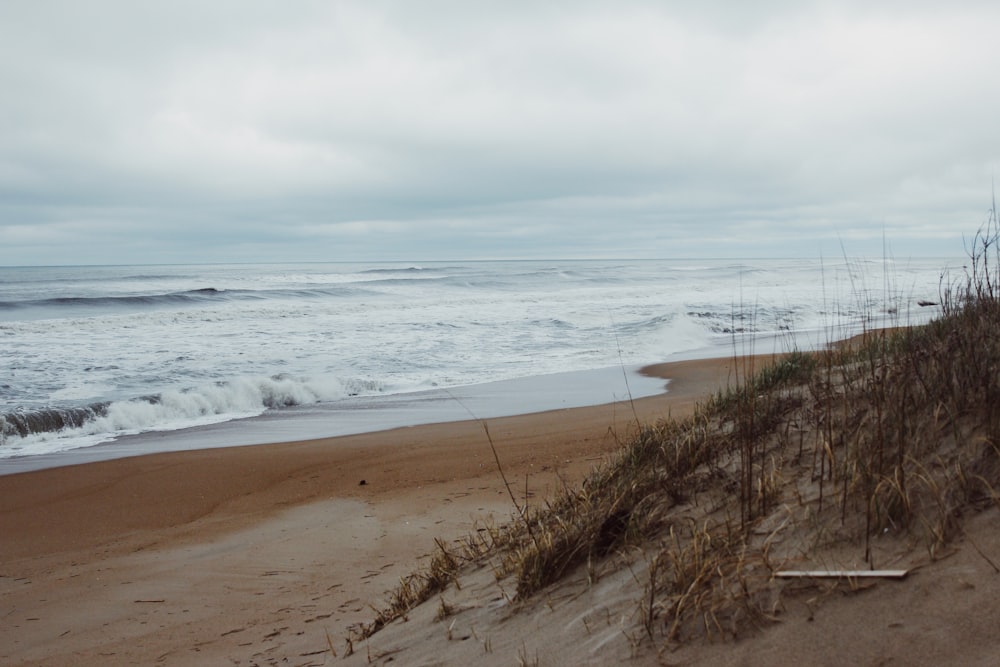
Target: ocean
99, 361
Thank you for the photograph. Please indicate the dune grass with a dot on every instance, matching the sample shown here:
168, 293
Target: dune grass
896, 434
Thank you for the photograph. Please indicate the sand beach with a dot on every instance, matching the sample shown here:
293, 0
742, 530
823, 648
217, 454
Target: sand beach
267, 555
244, 555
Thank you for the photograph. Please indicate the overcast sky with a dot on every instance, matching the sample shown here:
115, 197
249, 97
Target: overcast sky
139, 132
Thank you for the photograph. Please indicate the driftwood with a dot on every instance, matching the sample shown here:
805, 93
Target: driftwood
849, 574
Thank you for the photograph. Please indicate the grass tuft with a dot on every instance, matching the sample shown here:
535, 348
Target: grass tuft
895, 433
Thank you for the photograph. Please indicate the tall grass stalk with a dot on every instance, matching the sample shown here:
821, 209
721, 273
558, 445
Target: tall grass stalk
906, 432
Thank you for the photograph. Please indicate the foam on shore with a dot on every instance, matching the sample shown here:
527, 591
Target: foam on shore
364, 414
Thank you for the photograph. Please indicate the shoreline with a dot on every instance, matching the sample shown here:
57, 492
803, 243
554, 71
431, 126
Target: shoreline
203, 555
688, 380
368, 414
381, 412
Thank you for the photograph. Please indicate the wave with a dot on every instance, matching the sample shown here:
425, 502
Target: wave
70, 427
408, 269
23, 423
758, 319
188, 297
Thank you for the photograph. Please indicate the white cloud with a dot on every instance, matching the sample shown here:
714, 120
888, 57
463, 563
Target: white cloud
251, 121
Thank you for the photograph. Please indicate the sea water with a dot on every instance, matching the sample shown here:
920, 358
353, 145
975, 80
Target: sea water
99, 355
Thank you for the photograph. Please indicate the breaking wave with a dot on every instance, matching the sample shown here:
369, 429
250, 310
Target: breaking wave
58, 428
205, 295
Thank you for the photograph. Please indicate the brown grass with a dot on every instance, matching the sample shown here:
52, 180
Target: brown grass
894, 436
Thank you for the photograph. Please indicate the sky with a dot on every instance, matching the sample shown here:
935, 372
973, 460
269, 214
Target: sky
257, 131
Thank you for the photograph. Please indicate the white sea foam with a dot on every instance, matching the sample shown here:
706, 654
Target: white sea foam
75, 336
175, 409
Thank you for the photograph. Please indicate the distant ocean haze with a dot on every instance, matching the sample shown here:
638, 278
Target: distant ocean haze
92, 354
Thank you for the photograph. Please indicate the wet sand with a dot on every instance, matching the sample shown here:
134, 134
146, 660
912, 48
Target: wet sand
250, 555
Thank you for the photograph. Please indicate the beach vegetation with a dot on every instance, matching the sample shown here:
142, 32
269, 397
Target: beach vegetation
870, 452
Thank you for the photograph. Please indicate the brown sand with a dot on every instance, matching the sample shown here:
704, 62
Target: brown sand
249, 555
266, 555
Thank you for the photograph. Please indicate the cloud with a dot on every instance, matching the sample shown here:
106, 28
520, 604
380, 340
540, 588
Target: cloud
259, 130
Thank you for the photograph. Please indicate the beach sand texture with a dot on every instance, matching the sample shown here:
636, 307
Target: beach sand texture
224, 556
266, 555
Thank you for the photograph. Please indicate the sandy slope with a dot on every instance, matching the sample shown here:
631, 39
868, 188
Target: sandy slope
944, 613
252, 555
266, 555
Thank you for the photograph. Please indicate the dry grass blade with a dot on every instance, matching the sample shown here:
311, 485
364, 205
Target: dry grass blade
906, 440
